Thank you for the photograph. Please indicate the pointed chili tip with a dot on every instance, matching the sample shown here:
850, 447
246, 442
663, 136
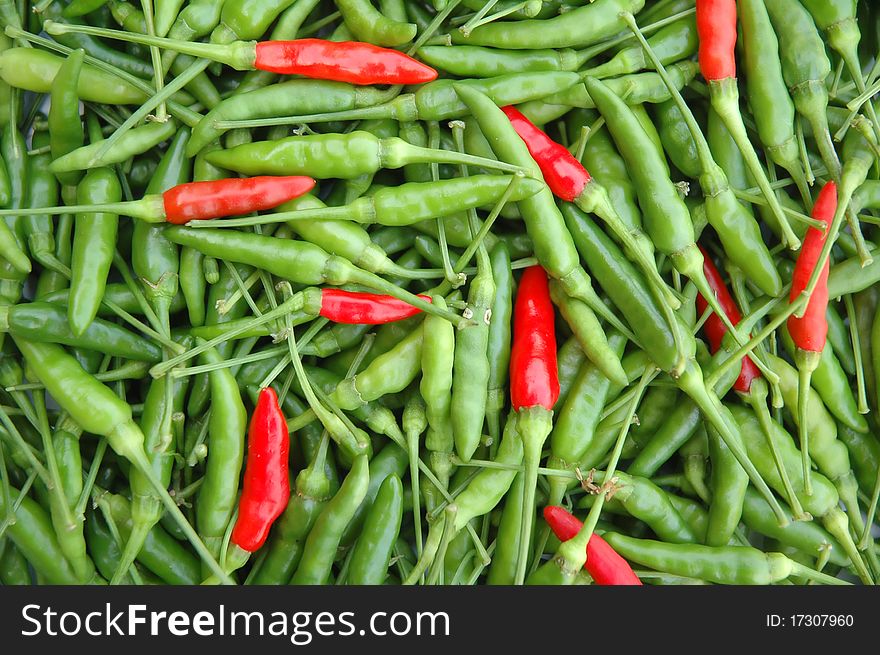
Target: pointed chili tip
563, 523
562, 172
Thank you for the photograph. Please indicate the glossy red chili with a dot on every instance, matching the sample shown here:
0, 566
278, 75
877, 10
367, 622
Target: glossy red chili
228, 197
348, 61
534, 378
342, 306
564, 174
714, 327
716, 27
266, 488
603, 563
809, 331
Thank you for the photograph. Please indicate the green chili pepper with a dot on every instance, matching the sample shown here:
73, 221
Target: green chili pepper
470, 382
160, 403
772, 107
14, 567
439, 344
578, 27
578, 417
391, 460
502, 570
738, 565
227, 426
498, 347
805, 66
369, 25
645, 501
822, 504
42, 191
134, 142
35, 70
293, 96
729, 484
320, 548
589, 333
807, 536
161, 553
155, 259
33, 535
607, 166
373, 549
40, 321
94, 243
65, 125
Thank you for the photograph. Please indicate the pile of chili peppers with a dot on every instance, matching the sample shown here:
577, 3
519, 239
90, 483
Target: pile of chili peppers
497, 292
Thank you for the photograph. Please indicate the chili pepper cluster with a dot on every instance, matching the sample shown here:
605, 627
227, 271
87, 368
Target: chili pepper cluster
449, 292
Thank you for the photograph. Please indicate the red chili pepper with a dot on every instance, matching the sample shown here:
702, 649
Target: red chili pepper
564, 174
716, 27
266, 487
603, 563
343, 306
534, 388
534, 378
809, 331
714, 327
348, 61
217, 198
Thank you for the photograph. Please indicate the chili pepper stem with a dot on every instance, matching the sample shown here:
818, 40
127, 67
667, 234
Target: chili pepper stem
693, 384
292, 304
836, 523
866, 539
239, 55
432, 544
594, 199
807, 361
157, 100
449, 532
150, 208
136, 539
534, 424
757, 398
724, 96
817, 576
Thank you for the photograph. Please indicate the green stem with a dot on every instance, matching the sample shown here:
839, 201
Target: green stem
861, 390
156, 58
817, 576
185, 114
157, 100
238, 54
291, 304
724, 96
757, 398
